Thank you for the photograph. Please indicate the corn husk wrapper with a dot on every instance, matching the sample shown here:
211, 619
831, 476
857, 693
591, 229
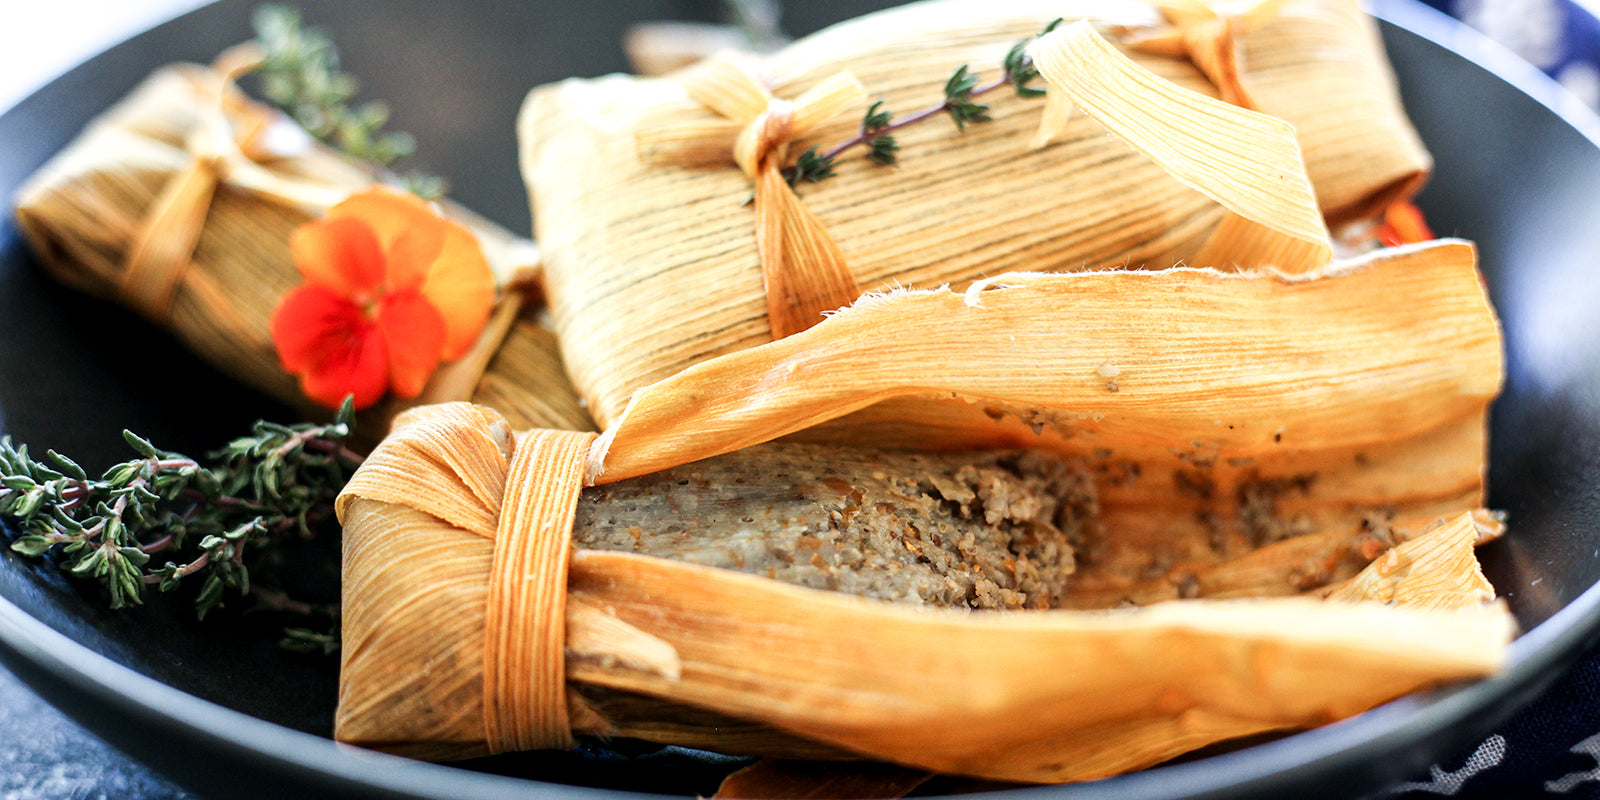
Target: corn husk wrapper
641, 211
645, 647
214, 268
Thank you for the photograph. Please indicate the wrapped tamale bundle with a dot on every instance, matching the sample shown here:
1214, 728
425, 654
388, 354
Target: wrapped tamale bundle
181, 202
641, 187
470, 629
1331, 389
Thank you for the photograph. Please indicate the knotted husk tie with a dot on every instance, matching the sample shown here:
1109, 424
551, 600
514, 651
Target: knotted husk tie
229, 144
801, 265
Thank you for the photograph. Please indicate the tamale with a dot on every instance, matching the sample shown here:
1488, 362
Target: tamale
635, 222
652, 648
94, 215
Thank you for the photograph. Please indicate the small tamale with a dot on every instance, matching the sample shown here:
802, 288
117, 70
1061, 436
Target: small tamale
145, 209
641, 197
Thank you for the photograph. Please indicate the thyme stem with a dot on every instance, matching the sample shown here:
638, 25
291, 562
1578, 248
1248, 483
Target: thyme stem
908, 120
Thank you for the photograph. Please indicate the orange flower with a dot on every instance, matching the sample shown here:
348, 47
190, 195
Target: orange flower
391, 290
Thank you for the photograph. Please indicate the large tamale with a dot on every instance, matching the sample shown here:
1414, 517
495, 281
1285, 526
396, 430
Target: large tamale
637, 223
455, 645
469, 628
180, 201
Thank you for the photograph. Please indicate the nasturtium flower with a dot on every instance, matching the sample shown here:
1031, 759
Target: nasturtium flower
392, 289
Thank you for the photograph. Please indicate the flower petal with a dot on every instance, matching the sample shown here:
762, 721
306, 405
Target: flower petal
412, 255
461, 286
301, 322
341, 255
395, 215
330, 344
358, 367
413, 333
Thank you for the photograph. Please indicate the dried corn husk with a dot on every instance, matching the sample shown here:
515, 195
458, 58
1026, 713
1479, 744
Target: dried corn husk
661, 650
133, 211
1435, 570
1231, 366
625, 238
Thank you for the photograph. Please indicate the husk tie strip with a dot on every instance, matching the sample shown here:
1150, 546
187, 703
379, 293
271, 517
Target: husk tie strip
525, 684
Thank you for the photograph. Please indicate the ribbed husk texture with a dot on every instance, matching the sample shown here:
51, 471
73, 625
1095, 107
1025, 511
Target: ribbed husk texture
214, 276
641, 211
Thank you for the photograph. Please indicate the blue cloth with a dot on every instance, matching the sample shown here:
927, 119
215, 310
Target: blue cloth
1549, 749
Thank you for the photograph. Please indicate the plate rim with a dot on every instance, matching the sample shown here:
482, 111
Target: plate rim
54, 665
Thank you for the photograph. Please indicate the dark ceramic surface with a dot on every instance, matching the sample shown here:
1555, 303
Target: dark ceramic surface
221, 710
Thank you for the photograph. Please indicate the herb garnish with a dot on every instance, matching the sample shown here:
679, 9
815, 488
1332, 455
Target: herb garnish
878, 125
163, 519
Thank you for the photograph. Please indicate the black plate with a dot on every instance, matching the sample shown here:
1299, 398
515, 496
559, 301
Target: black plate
221, 710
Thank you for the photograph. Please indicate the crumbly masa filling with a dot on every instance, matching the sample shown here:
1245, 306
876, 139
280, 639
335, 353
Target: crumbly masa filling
990, 530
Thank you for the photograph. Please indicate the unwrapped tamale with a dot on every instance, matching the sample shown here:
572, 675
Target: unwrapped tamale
470, 629
144, 208
637, 219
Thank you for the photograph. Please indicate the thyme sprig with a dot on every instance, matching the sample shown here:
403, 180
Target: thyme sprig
299, 73
163, 519
878, 125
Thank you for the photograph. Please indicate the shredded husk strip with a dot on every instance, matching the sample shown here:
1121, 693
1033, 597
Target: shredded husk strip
1035, 697
1248, 162
1437, 569
626, 238
524, 686
1244, 363
149, 183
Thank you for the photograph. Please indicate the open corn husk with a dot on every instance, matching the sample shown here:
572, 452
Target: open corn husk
134, 211
619, 644
634, 223
1241, 408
